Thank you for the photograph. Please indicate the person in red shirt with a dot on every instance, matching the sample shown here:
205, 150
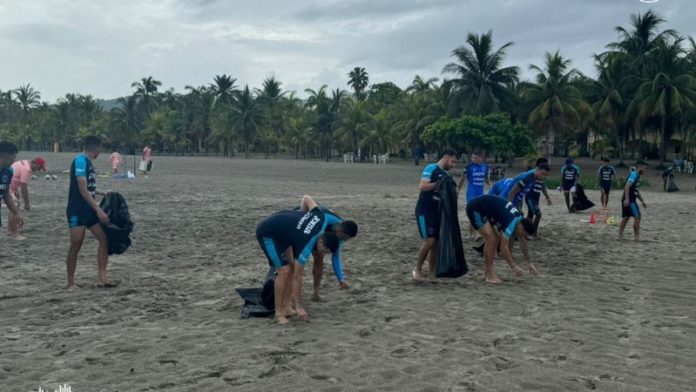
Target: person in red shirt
23, 170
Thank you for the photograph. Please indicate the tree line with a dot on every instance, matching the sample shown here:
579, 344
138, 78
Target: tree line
641, 103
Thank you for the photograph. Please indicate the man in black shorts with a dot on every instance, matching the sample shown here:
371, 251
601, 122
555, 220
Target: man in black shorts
569, 179
491, 215
605, 174
288, 238
533, 197
428, 211
629, 202
84, 213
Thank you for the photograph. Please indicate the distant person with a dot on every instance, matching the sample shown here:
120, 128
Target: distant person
516, 189
147, 159
666, 176
428, 210
477, 175
417, 155
498, 221
287, 238
570, 174
629, 201
532, 199
83, 212
8, 154
344, 230
605, 172
23, 170
116, 161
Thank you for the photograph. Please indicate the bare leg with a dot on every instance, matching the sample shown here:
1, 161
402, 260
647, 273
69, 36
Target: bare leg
636, 229
432, 261
489, 252
537, 221
280, 289
566, 195
422, 255
77, 236
318, 272
13, 227
102, 254
622, 227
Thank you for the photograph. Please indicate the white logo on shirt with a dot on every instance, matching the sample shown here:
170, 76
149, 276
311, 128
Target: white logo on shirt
311, 224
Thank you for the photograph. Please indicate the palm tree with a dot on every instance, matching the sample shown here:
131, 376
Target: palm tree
246, 118
358, 80
610, 106
146, 90
325, 111
482, 86
558, 104
352, 123
27, 97
224, 88
420, 85
270, 98
668, 95
126, 121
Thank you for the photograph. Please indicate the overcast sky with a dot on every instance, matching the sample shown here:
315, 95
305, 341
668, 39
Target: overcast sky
100, 47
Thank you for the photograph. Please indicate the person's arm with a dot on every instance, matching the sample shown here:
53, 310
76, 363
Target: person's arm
426, 186
338, 267
514, 191
627, 190
522, 238
82, 186
308, 204
507, 255
488, 176
25, 195
640, 197
546, 194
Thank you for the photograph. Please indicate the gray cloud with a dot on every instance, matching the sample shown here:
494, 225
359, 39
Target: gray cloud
100, 48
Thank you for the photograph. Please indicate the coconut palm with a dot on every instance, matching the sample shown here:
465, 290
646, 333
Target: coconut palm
482, 86
358, 80
352, 123
246, 117
146, 91
420, 85
27, 97
224, 88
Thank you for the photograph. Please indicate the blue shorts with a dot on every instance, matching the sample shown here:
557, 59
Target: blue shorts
428, 224
472, 193
532, 205
86, 219
605, 187
275, 253
568, 186
632, 211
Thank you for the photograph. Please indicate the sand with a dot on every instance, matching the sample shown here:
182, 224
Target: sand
604, 315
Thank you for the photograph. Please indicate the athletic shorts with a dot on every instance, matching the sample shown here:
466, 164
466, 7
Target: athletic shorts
632, 211
568, 186
472, 193
428, 224
87, 220
532, 205
275, 253
477, 220
605, 187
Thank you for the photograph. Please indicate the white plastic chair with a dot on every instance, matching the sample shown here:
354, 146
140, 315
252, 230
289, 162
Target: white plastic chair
690, 167
348, 158
384, 158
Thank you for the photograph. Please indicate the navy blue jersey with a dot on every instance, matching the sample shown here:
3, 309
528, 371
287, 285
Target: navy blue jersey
81, 167
297, 229
476, 175
570, 174
5, 180
605, 173
430, 201
497, 211
634, 180
503, 187
535, 193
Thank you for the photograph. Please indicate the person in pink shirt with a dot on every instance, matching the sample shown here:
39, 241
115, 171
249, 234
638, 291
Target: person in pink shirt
116, 161
147, 159
23, 170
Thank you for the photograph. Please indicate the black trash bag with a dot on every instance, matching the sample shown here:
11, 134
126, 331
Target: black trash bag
259, 302
450, 259
581, 203
671, 185
120, 224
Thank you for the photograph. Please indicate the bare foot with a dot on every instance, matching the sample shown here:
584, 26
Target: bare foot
281, 320
289, 311
494, 280
71, 287
416, 276
18, 237
621, 237
636, 238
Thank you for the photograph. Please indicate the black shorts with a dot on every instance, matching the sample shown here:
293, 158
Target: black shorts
477, 220
275, 252
428, 224
86, 219
605, 187
532, 205
568, 186
632, 211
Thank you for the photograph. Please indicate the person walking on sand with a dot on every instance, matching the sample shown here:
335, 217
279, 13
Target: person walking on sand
605, 173
629, 205
287, 238
570, 174
84, 213
8, 154
116, 161
498, 222
22, 172
428, 211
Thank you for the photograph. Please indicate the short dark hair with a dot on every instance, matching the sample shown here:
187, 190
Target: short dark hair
544, 166
528, 226
605, 159
331, 241
92, 143
642, 163
541, 161
8, 148
448, 152
477, 152
350, 228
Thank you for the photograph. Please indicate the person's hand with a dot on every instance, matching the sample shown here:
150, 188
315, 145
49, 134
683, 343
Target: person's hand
625, 203
103, 218
20, 222
302, 314
644, 205
532, 269
548, 201
343, 285
27, 207
517, 270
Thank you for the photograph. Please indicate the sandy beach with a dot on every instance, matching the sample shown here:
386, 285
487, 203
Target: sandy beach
604, 315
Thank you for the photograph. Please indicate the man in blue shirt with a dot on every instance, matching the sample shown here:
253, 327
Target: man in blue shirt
345, 230
629, 201
287, 238
84, 213
476, 174
428, 210
491, 215
605, 174
533, 197
515, 189
569, 178
8, 154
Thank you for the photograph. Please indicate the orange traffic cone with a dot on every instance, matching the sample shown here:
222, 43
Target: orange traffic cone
593, 218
